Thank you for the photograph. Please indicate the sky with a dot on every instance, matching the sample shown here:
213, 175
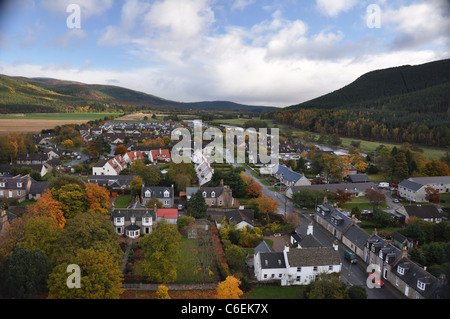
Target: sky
257, 52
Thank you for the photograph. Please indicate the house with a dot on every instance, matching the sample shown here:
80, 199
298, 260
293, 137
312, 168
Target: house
115, 182
168, 215
160, 155
202, 167
6, 219
220, 196
332, 220
35, 158
413, 189
296, 266
133, 223
164, 194
43, 169
16, 188
355, 239
402, 241
413, 280
358, 178
37, 189
302, 238
381, 252
43, 139
354, 189
111, 167
242, 218
428, 213
289, 177
131, 157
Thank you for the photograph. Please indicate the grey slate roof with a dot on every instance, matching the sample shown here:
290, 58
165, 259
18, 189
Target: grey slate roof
357, 236
410, 185
288, 174
128, 213
307, 257
157, 191
425, 211
271, 260
262, 248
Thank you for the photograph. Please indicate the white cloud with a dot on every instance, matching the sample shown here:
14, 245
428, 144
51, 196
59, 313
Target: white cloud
241, 4
335, 7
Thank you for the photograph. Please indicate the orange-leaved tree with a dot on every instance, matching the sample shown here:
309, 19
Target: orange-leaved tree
229, 289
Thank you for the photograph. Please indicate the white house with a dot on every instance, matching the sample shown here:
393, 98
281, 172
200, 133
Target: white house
297, 266
413, 188
289, 177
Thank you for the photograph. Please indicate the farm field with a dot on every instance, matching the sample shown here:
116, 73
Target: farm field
35, 123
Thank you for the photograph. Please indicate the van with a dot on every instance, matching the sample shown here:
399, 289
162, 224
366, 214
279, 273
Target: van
383, 185
350, 256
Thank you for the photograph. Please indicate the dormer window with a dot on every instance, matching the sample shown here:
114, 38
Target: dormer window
166, 194
204, 194
213, 194
19, 184
381, 254
148, 193
401, 270
2, 184
421, 285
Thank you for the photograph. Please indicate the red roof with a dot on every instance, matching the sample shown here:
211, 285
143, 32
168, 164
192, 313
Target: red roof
167, 213
161, 154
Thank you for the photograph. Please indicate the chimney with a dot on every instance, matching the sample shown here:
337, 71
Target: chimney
374, 233
335, 245
310, 229
286, 248
404, 253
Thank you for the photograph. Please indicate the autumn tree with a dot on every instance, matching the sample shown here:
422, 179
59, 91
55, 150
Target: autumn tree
120, 150
375, 198
41, 233
136, 186
67, 144
101, 277
253, 189
162, 292
160, 254
432, 195
342, 196
327, 286
265, 205
152, 202
86, 231
97, 198
151, 176
47, 206
72, 198
229, 289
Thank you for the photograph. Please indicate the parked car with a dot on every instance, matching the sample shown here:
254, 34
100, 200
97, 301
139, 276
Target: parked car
396, 200
180, 206
350, 256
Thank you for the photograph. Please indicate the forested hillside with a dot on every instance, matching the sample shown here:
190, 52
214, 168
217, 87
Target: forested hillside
403, 104
43, 95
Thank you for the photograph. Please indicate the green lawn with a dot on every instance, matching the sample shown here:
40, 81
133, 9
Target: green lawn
122, 201
276, 292
187, 268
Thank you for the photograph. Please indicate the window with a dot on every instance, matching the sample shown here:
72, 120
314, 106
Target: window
2, 184
298, 278
299, 269
213, 194
2, 193
330, 268
148, 193
315, 268
166, 202
204, 194
265, 276
166, 194
421, 285
400, 270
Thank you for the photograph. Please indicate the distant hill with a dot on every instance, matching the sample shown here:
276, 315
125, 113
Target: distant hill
421, 88
30, 95
402, 104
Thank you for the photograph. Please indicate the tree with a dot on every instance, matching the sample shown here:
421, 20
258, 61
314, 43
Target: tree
97, 198
203, 254
90, 230
236, 258
25, 273
432, 195
265, 205
160, 254
72, 198
154, 202
162, 292
151, 176
197, 206
327, 286
136, 186
253, 189
41, 233
309, 197
342, 196
375, 198
46, 206
357, 292
120, 150
382, 219
67, 144
229, 289
101, 277
435, 167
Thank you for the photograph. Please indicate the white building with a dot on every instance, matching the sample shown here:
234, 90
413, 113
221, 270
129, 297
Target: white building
297, 266
413, 189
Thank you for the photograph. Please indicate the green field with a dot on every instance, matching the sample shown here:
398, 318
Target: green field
58, 116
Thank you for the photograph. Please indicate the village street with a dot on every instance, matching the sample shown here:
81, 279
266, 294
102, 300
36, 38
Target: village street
351, 274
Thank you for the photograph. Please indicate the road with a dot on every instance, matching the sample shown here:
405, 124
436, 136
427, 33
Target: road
351, 274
